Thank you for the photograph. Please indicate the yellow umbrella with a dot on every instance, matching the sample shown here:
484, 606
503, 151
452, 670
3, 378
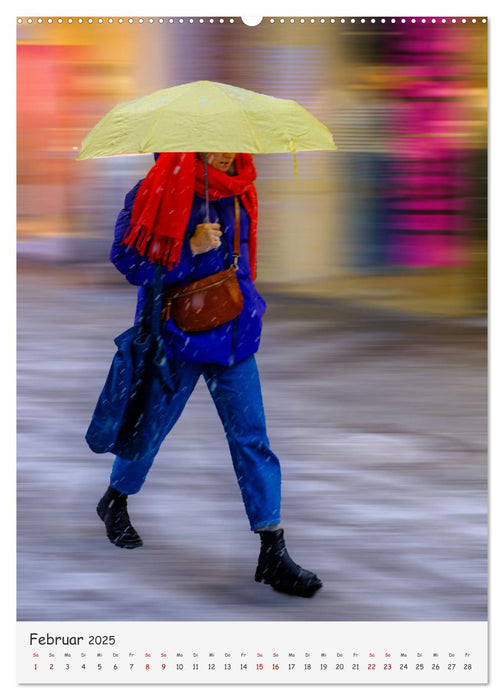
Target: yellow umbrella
205, 116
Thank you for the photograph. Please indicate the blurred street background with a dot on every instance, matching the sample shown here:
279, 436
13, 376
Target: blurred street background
379, 424
373, 359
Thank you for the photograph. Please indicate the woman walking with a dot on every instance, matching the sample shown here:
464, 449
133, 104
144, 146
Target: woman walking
165, 221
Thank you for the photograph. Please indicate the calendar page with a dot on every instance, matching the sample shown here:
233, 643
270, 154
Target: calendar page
252, 318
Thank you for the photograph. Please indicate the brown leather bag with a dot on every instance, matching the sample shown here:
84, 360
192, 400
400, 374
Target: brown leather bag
210, 301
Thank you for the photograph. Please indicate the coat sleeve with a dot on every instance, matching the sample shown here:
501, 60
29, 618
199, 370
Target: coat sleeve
137, 269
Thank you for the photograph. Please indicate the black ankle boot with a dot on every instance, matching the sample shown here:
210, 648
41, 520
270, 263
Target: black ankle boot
277, 568
112, 510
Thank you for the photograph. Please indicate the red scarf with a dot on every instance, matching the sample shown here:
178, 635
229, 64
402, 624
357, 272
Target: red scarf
163, 204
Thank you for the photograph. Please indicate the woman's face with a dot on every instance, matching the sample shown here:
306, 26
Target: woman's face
221, 161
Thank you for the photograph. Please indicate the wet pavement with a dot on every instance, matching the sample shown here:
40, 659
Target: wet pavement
380, 426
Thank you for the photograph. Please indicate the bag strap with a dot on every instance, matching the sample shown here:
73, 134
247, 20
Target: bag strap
236, 241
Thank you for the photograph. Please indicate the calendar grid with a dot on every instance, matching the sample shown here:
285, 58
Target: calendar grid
289, 652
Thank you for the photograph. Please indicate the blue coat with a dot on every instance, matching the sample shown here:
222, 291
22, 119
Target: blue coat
233, 341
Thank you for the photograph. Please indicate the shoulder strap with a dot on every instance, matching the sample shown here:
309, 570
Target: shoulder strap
236, 243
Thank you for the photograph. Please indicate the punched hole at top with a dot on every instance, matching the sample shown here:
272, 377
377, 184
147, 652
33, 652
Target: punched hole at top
251, 21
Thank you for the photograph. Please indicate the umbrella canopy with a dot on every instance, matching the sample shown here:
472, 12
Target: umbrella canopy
205, 116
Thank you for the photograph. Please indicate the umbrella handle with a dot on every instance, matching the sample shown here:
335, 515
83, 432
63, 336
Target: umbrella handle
207, 205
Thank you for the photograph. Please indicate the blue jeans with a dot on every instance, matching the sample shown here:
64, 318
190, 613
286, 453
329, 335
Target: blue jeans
236, 392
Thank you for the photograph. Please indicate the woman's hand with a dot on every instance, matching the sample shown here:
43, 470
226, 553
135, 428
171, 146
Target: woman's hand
205, 237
